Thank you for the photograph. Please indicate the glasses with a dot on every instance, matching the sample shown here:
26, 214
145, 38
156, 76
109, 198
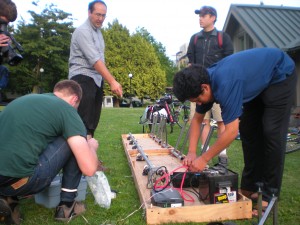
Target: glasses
99, 15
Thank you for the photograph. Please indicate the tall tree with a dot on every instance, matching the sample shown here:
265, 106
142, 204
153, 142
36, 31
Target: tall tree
166, 64
127, 54
46, 43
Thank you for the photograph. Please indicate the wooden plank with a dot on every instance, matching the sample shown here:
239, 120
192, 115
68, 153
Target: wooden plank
148, 145
200, 213
195, 211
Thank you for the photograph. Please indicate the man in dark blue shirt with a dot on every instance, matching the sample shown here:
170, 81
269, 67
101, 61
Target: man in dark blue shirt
255, 89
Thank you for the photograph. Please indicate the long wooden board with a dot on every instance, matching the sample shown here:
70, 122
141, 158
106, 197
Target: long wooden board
195, 211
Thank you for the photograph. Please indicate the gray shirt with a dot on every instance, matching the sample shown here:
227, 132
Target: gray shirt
87, 47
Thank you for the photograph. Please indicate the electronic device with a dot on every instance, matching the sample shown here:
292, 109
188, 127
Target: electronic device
166, 198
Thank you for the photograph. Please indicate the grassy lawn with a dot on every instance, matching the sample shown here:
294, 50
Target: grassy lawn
117, 121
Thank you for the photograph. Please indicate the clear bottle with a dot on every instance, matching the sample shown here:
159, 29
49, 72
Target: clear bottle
100, 188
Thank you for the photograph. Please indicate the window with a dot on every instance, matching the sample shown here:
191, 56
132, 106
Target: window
244, 42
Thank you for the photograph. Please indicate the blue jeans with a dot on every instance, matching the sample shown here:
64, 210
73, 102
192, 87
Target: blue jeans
55, 157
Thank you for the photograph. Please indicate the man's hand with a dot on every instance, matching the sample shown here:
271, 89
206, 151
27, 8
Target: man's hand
116, 88
198, 164
191, 156
93, 144
4, 40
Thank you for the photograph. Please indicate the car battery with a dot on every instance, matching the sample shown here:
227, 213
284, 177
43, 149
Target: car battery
223, 188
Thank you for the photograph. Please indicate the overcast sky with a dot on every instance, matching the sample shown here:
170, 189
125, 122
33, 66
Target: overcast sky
171, 22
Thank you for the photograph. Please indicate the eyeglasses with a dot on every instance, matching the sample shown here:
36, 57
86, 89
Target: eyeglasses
99, 15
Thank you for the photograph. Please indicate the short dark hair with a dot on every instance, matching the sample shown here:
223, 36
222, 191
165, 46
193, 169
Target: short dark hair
91, 5
69, 87
8, 9
187, 82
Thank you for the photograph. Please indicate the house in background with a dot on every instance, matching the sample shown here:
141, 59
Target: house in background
255, 26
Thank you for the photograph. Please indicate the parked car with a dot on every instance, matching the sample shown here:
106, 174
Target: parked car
126, 103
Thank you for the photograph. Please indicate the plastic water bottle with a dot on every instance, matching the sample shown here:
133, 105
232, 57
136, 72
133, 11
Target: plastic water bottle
100, 188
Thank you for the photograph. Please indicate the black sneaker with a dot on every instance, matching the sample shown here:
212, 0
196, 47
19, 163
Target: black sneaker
5, 211
223, 160
64, 213
221, 166
9, 211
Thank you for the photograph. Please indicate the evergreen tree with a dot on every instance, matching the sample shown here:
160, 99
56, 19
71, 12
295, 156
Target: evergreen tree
166, 64
46, 43
127, 54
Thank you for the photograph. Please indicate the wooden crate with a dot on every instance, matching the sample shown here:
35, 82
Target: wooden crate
195, 211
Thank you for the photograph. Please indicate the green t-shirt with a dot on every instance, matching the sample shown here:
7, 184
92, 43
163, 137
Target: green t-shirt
27, 125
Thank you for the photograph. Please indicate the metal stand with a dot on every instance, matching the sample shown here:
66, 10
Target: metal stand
272, 206
154, 127
163, 133
178, 153
159, 131
152, 170
209, 135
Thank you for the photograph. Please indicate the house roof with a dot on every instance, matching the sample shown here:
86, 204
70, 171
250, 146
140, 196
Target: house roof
268, 26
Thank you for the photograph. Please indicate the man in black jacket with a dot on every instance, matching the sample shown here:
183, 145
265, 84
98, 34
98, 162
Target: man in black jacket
206, 48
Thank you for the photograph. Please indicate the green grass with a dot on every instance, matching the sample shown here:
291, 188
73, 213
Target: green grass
117, 121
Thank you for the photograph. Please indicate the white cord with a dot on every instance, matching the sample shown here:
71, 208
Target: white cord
140, 206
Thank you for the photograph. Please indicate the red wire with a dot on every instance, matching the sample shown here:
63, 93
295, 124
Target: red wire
181, 191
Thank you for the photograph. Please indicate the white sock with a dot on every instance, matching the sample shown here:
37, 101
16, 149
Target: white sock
223, 152
203, 146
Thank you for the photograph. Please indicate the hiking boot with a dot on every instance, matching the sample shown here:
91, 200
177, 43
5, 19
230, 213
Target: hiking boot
9, 211
16, 216
220, 168
5, 211
223, 160
64, 213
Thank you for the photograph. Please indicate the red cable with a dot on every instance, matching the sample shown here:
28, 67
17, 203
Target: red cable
181, 191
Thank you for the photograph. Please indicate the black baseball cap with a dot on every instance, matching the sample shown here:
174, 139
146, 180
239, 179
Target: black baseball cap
206, 10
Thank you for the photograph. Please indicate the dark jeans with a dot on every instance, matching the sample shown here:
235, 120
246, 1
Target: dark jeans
91, 103
56, 156
263, 130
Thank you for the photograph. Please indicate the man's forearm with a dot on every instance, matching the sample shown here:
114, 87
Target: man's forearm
115, 87
101, 68
195, 130
223, 141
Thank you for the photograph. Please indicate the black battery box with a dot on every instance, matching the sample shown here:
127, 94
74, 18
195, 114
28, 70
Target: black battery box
191, 179
213, 187
223, 188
